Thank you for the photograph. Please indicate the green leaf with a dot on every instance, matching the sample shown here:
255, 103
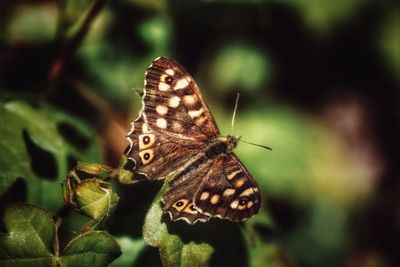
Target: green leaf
171, 248
95, 198
20, 121
154, 230
91, 197
173, 251
40, 126
29, 237
131, 249
94, 248
195, 254
14, 161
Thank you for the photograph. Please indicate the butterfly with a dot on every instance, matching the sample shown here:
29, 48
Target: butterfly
176, 135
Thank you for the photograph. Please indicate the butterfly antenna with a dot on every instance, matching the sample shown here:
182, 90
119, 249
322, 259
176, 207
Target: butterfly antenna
234, 110
266, 147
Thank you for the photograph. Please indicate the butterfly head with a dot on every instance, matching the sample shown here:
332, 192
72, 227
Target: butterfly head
231, 142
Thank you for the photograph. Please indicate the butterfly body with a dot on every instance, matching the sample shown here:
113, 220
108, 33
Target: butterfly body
176, 135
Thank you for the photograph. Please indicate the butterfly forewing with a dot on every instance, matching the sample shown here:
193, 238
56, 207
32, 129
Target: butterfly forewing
173, 102
174, 123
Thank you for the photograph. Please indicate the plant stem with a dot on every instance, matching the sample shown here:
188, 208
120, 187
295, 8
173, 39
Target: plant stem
69, 48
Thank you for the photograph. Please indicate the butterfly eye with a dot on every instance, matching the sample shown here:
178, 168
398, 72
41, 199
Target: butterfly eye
179, 204
168, 80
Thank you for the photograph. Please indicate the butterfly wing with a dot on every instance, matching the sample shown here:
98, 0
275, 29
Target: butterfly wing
229, 192
156, 155
174, 123
219, 187
178, 201
172, 95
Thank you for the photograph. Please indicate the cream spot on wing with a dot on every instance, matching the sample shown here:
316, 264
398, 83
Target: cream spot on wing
162, 110
162, 77
146, 141
241, 207
161, 123
250, 204
228, 192
174, 101
234, 204
239, 182
180, 204
214, 199
145, 128
200, 121
163, 86
176, 126
182, 83
146, 156
190, 99
230, 176
204, 195
195, 113
190, 209
247, 192
170, 72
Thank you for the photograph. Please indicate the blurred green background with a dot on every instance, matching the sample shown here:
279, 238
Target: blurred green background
319, 83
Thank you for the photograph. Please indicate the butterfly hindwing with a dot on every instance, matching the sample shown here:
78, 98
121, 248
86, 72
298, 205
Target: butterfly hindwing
218, 187
178, 201
229, 192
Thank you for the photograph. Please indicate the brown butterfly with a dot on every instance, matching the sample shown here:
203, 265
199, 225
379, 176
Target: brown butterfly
175, 134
